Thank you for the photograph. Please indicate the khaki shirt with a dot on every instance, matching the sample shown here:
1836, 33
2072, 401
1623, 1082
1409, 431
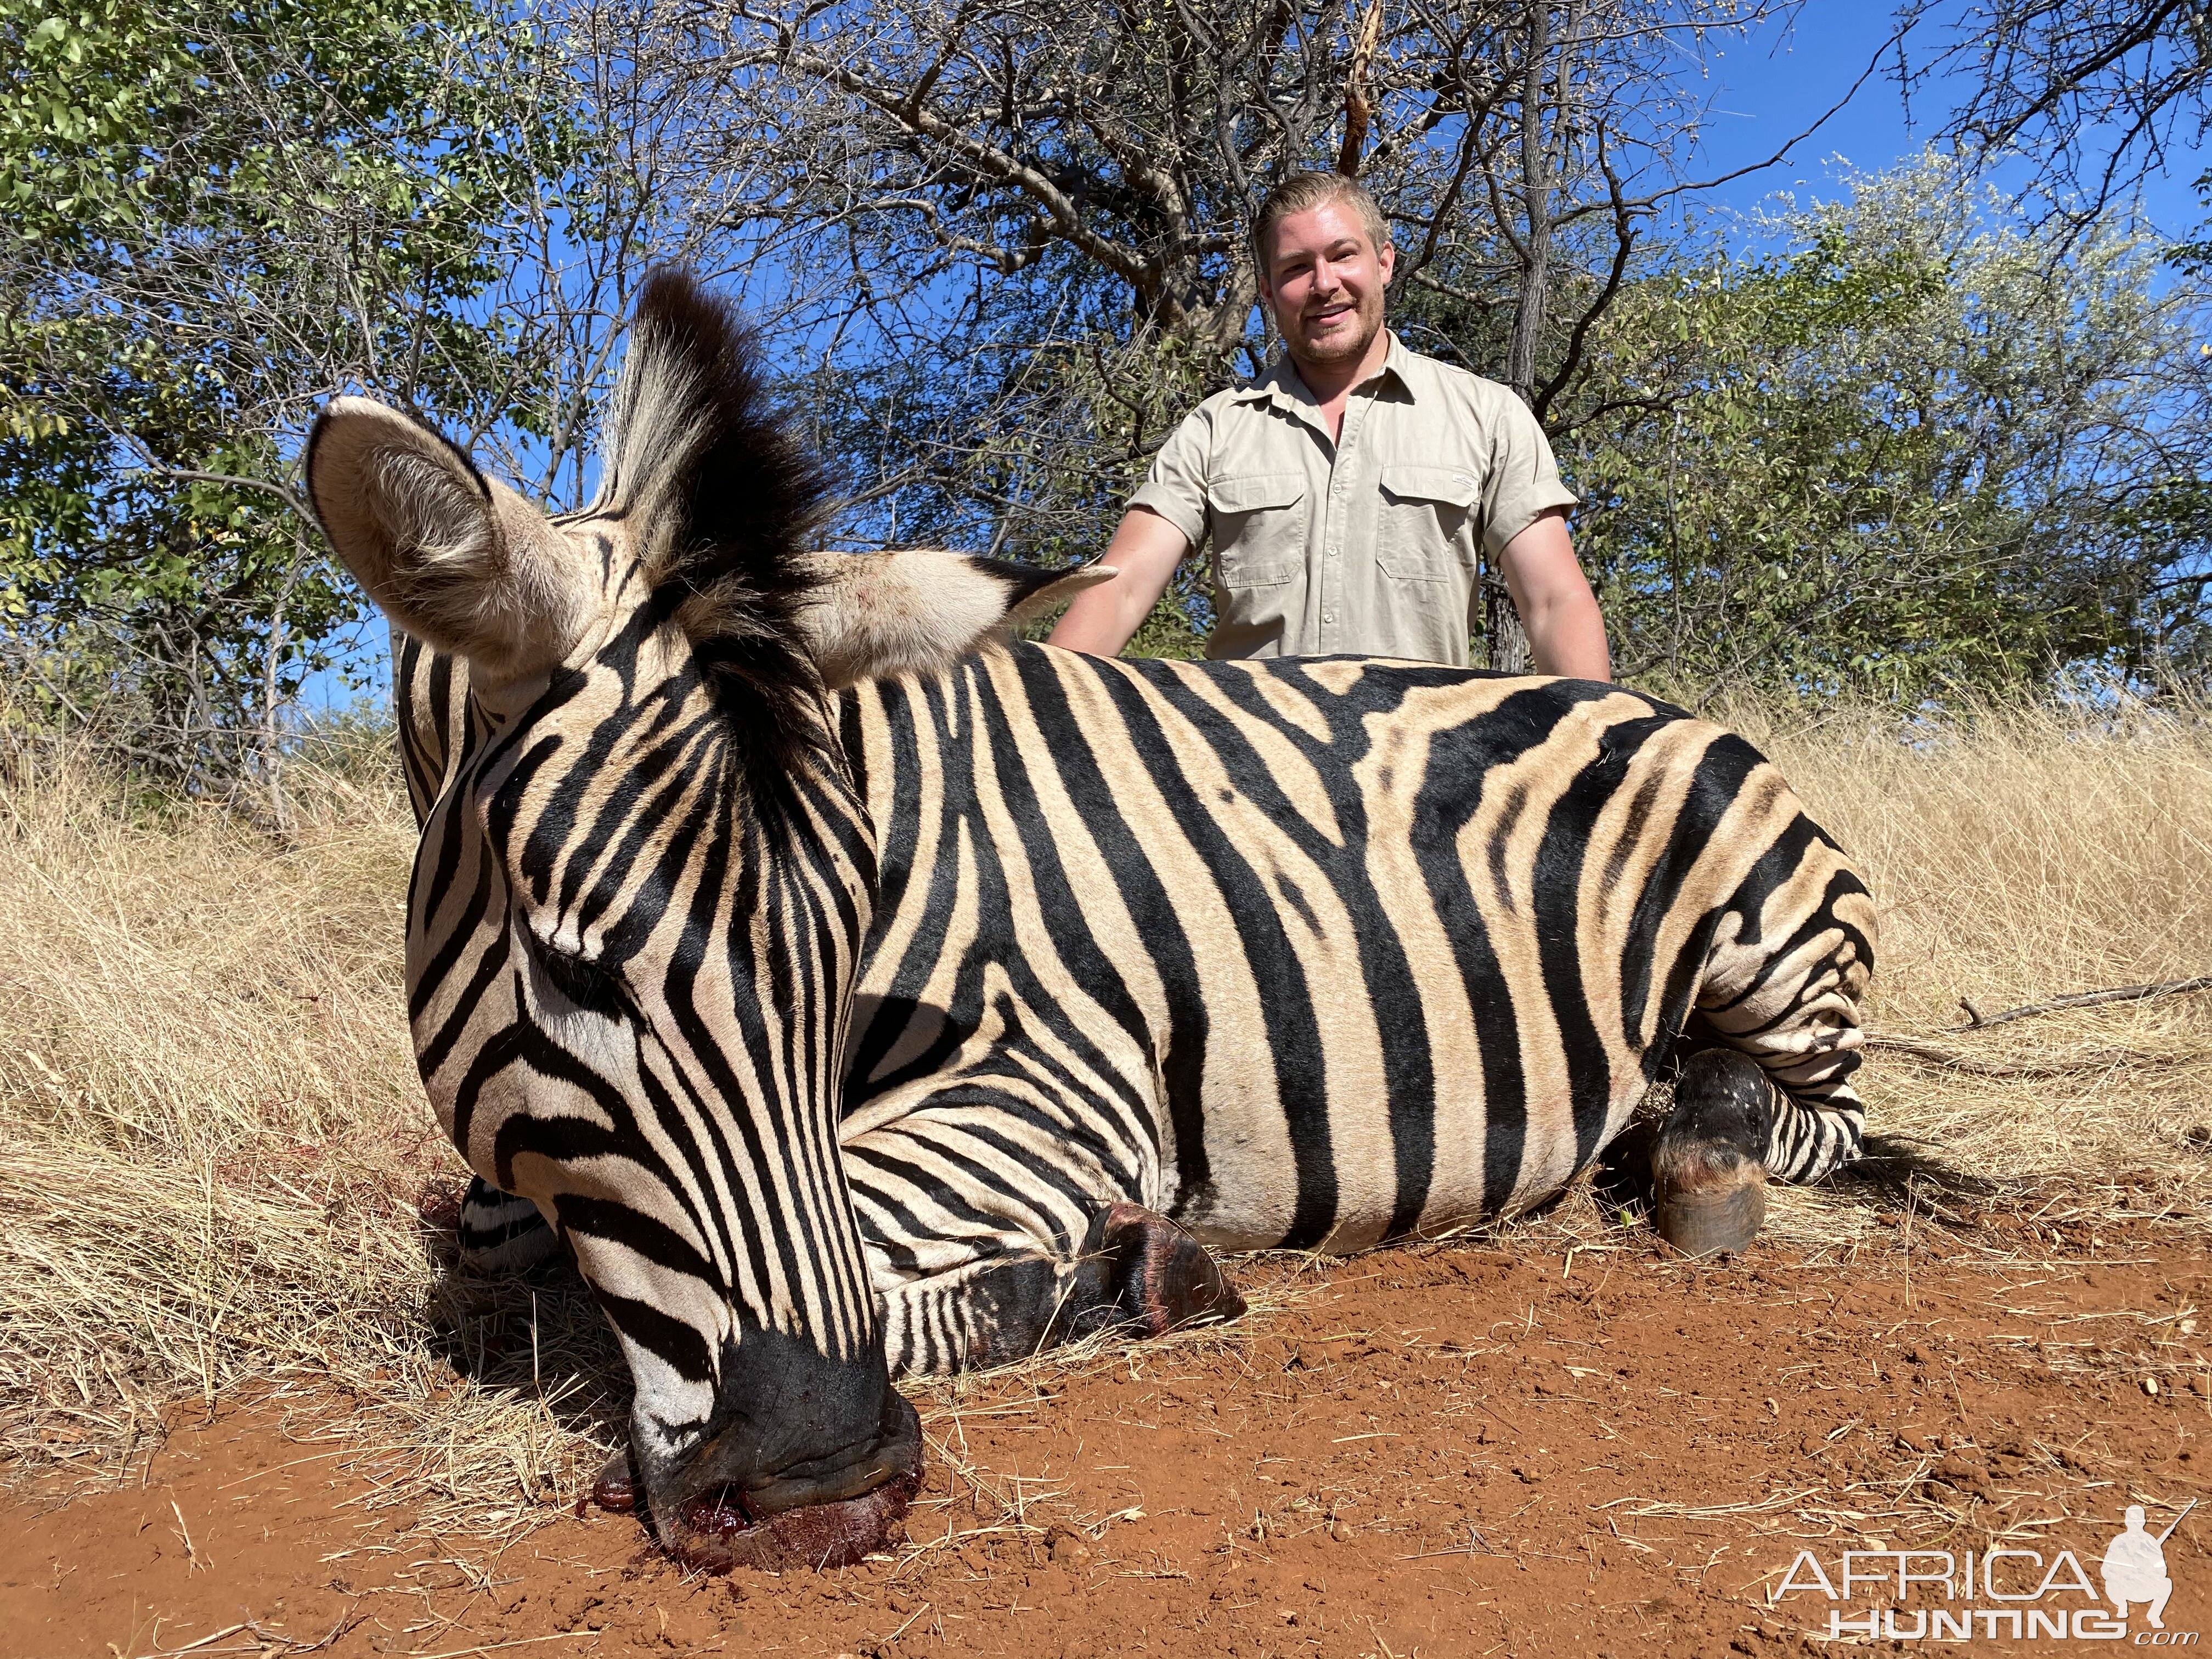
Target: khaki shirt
1365, 545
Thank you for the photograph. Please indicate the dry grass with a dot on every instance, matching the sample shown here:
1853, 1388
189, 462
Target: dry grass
2019, 854
215, 1155
215, 1164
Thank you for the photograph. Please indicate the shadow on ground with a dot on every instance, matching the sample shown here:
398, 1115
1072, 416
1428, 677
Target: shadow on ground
536, 1331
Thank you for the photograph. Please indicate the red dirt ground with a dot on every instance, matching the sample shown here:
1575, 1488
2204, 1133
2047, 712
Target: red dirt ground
1435, 1451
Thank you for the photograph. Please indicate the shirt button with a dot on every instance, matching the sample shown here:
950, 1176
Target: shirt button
1328, 616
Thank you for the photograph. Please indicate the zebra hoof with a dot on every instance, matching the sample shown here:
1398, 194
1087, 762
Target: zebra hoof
1711, 1221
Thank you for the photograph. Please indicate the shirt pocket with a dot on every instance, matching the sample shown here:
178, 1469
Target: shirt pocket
1258, 528
1425, 510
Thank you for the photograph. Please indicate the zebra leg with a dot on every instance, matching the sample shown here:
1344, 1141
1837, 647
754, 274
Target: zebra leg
1768, 1091
501, 1233
1135, 1271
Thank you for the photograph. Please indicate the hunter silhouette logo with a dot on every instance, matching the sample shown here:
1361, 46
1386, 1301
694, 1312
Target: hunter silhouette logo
2135, 1565
2005, 1593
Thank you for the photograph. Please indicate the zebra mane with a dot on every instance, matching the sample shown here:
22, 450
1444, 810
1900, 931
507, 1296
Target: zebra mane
720, 494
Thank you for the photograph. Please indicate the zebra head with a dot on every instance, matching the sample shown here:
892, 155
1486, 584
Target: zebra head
641, 893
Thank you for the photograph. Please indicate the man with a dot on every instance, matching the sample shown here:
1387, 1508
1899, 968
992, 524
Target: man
1350, 491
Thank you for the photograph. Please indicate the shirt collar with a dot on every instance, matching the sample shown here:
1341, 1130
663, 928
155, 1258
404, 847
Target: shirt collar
1410, 368
1282, 384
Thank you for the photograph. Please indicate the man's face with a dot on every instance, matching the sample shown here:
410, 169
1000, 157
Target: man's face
1324, 281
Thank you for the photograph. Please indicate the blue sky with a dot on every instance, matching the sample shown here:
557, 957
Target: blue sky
1768, 88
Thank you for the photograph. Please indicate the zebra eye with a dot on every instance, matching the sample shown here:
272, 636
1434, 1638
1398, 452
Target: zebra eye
586, 984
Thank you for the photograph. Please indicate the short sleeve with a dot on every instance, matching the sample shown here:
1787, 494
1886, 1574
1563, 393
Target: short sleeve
1524, 480
1175, 487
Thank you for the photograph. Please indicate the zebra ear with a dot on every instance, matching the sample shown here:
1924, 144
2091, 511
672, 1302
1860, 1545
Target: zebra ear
875, 616
461, 562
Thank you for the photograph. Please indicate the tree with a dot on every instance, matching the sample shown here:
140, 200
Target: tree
218, 215
1555, 175
1918, 450
999, 251
2098, 92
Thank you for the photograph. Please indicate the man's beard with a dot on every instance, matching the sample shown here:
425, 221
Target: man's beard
1348, 346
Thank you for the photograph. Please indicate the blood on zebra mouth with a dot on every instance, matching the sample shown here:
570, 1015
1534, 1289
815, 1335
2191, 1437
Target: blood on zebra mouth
725, 1526
719, 1530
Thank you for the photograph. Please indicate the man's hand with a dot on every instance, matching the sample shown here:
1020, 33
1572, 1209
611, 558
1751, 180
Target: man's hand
1566, 632
1145, 551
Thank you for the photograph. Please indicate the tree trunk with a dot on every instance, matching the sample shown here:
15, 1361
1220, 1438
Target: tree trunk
1501, 626
1507, 641
1536, 208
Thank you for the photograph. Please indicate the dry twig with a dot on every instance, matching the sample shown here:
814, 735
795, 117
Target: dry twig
2164, 987
2104, 1060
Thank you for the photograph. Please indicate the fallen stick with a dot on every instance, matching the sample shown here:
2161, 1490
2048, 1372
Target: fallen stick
233, 1630
2103, 1059
2167, 988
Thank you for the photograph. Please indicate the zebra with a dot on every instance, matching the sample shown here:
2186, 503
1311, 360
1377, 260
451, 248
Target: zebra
856, 991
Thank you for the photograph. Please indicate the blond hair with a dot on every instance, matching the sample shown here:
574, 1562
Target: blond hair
1302, 192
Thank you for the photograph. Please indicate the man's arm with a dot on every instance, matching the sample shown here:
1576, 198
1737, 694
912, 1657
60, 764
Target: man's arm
1566, 632
1145, 551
